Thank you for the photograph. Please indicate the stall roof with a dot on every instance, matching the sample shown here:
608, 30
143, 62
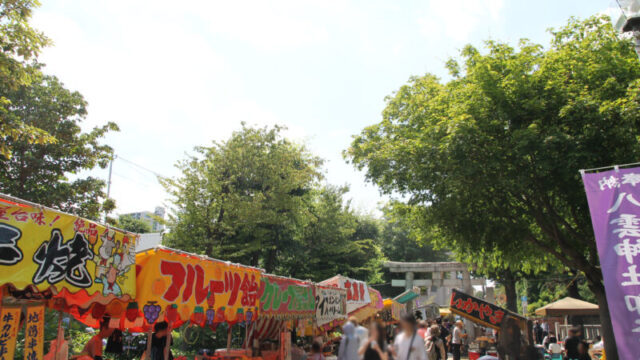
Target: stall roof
406, 296
568, 306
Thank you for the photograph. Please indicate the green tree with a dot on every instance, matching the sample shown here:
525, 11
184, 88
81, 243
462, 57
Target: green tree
336, 240
19, 44
39, 172
243, 199
507, 136
127, 222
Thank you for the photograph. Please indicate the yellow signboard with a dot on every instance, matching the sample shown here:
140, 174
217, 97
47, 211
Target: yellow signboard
9, 321
34, 333
48, 249
181, 287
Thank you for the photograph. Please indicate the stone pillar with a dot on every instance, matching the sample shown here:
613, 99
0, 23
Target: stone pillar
408, 280
466, 282
491, 296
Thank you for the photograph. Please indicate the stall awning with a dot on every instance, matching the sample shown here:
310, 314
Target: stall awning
286, 298
407, 296
74, 263
357, 291
568, 306
179, 287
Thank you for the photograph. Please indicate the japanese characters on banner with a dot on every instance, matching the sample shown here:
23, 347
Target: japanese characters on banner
286, 298
331, 305
34, 333
87, 261
178, 287
9, 322
357, 291
614, 203
477, 310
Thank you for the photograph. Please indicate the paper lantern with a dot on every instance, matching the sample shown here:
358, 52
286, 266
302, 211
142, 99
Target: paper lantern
97, 311
132, 311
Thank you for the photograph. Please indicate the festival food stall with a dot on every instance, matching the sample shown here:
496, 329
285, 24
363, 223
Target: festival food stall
63, 262
285, 304
177, 286
357, 291
370, 310
509, 324
392, 311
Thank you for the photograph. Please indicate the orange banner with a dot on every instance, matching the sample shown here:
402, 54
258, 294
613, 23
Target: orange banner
9, 321
177, 287
34, 333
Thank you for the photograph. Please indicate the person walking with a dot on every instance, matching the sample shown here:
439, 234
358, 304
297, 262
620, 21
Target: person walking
434, 345
408, 345
375, 348
445, 334
456, 339
349, 344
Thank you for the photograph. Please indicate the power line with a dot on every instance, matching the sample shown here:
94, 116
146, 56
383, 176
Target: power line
140, 166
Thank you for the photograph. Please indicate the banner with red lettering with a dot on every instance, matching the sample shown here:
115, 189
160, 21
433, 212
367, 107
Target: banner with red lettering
286, 298
34, 333
9, 322
177, 287
357, 291
479, 311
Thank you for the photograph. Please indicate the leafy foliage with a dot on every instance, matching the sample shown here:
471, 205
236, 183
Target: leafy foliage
256, 199
39, 172
127, 222
19, 43
491, 158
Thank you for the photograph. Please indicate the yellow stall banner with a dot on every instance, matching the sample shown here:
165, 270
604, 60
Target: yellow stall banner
34, 333
77, 259
178, 287
9, 321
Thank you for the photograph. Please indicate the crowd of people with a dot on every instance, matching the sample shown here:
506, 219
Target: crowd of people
574, 346
412, 340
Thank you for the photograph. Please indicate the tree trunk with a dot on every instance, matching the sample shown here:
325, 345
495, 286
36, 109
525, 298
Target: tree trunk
509, 283
573, 291
610, 347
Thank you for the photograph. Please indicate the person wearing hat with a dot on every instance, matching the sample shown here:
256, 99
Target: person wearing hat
456, 339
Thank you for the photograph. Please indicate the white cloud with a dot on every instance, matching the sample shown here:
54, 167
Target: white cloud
458, 20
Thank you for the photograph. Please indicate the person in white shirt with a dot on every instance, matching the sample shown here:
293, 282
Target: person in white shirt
361, 332
408, 345
456, 339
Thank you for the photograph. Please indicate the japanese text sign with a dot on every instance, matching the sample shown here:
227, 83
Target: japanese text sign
186, 287
45, 248
477, 310
331, 305
34, 333
9, 321
286, 298
357, 291
614, 203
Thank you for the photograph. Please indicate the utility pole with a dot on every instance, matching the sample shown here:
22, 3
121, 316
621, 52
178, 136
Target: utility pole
109, 183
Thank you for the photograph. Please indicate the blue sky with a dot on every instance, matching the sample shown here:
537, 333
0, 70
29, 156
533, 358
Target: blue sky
174, 75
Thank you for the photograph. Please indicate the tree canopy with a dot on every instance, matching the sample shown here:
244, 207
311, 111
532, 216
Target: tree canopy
20, 44
39, 172
129, 223
504, 139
